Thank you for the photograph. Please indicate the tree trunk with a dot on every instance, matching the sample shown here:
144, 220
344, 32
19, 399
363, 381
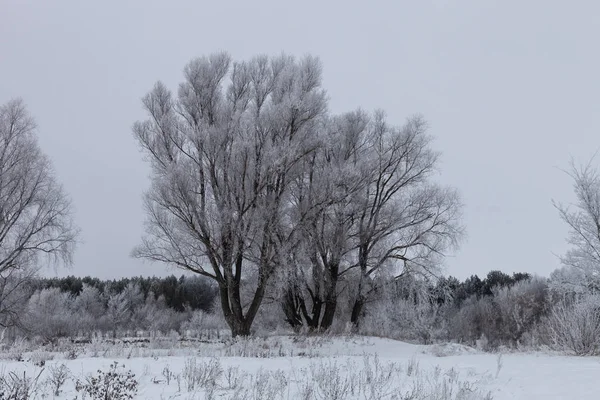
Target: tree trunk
322, 300
330, 308
240, 328
357, 312
359, 302
291, 309
332, 276
231, 303
235, 320
296, 312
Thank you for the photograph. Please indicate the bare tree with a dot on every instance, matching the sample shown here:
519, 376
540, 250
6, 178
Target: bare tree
223, 154
583, 219
407, 222
325, 202
121, 307
50, 314
35, 213
369, 213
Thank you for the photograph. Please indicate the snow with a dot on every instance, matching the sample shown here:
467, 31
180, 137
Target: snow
293, 363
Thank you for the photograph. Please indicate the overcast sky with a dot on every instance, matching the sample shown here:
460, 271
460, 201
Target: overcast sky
511, 90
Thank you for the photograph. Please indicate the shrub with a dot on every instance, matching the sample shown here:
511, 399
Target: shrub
575, 326
519, 309
201, 375
39, 357
116, 384
57, 377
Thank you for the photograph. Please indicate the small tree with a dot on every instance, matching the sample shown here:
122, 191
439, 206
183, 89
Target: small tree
89, 310
50, 314
35, 213
121, 306
583, 220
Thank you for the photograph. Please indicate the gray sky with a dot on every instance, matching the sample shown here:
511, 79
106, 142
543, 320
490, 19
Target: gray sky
510, 88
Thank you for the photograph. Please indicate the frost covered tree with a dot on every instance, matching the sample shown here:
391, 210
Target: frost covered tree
370, 213
90, 310
326, 201
121, 307
35, 212
50, 314
36, 219
575, 325
223, 152
407, 221
519, 308
583, 219
154, 315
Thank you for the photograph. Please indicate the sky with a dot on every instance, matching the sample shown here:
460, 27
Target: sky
511, 91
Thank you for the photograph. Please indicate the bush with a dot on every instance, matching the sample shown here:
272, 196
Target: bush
406, 313
57, 377
502, 319
201, 375
519, 309
116, 384
204, 325
575, 326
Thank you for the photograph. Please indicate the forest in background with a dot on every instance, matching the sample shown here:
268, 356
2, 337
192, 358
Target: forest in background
516, 311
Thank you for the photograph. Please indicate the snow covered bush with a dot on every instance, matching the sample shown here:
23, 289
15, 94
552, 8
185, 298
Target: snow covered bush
121, 306
203, 325
116, 384
474, 320
201, 375
154, 315
500, 319
575, 326
406, 312
519, 308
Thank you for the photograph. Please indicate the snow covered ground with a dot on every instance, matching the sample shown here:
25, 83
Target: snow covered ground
309, 368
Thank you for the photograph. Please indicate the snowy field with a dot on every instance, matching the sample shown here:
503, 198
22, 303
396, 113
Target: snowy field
297, 368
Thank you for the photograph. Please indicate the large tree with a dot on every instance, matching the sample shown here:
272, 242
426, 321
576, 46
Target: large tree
327, 201
223, 153
407, 221
370, 212
36, 220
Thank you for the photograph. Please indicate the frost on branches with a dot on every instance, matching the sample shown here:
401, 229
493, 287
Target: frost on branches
258, 187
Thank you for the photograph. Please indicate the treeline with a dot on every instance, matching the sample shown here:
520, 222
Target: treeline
180, 294
451, 289
74, 306
560, 312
